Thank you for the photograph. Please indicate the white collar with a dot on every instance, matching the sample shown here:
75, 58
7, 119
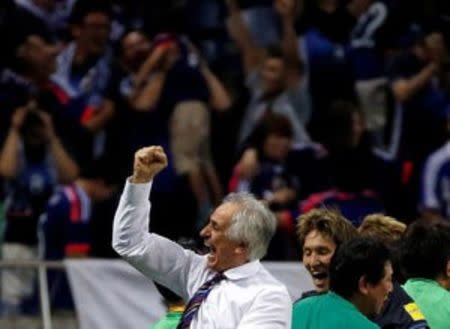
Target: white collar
243, 271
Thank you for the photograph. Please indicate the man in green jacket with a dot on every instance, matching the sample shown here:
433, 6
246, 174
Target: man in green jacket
426, 263
360, 281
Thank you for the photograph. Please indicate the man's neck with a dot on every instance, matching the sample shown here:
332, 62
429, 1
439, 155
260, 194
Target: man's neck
360, 303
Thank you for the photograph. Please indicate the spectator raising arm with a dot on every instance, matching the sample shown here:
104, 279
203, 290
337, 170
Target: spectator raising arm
287, 11
239, 32
219, 97
67, 170
149, 80
101, 117
404, 89
8, 155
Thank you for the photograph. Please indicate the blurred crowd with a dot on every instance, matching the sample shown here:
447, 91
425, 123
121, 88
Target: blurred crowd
304, 103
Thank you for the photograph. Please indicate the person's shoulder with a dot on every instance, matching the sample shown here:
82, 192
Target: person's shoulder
309, 298
401, 310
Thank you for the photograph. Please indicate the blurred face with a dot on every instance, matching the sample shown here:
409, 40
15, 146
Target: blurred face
224, 253
135, 49
379, 292
93, 32
40, 55
277, 147
317, 252
273, 75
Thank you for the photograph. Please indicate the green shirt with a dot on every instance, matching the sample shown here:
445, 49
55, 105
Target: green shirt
432, 299
169, 321
328, 311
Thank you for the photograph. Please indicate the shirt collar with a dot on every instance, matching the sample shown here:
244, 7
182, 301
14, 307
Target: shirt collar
243, 271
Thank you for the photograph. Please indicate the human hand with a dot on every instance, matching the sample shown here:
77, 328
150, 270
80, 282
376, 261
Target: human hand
18, 117
148, 162
436, 46
232, 6
283, 196
286, 8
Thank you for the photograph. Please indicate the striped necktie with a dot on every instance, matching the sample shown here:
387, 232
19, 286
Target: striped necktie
196, 300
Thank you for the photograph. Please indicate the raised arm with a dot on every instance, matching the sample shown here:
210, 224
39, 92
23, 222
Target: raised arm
9, 150
155, 256
287, 10
404, 89
66, 167
251, 54
149, 81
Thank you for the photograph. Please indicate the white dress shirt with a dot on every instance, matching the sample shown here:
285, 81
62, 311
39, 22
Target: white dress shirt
249, 297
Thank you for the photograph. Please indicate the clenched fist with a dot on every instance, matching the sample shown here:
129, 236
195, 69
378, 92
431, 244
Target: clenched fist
148, 162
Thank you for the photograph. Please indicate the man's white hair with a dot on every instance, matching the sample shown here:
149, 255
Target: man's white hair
253, 223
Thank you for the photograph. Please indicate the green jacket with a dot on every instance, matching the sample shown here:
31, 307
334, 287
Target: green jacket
326, 311
432, 299
169, 321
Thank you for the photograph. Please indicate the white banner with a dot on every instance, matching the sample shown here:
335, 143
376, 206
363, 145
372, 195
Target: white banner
110, 294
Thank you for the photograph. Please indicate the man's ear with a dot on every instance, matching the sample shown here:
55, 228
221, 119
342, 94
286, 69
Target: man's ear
241, 249
448, 269
363, 285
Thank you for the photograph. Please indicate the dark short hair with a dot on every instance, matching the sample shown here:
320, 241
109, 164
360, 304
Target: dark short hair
425, 250
82, 8
274, 51
360, 257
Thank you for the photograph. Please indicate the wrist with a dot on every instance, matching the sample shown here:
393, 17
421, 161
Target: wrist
137, 178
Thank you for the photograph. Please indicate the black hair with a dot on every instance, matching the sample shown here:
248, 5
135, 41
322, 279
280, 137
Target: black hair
82, 8
360, 257
425, 250
274, 51
169, 296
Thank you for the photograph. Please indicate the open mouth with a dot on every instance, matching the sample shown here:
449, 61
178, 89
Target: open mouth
322, 275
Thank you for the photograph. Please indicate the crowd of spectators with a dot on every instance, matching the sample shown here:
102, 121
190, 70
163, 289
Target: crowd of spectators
304, 103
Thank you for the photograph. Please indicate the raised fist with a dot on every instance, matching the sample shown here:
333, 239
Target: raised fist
148, 162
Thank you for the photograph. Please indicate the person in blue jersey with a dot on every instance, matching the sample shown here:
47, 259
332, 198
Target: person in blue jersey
434, 203
276, 84
82, 75
365, 46
421, 103
360, 179
32, 161
279, 172
65, 226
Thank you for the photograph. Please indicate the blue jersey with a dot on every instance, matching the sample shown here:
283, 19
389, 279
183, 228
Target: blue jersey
26, 198
364, 53
435, 186
65, 232
65, 224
